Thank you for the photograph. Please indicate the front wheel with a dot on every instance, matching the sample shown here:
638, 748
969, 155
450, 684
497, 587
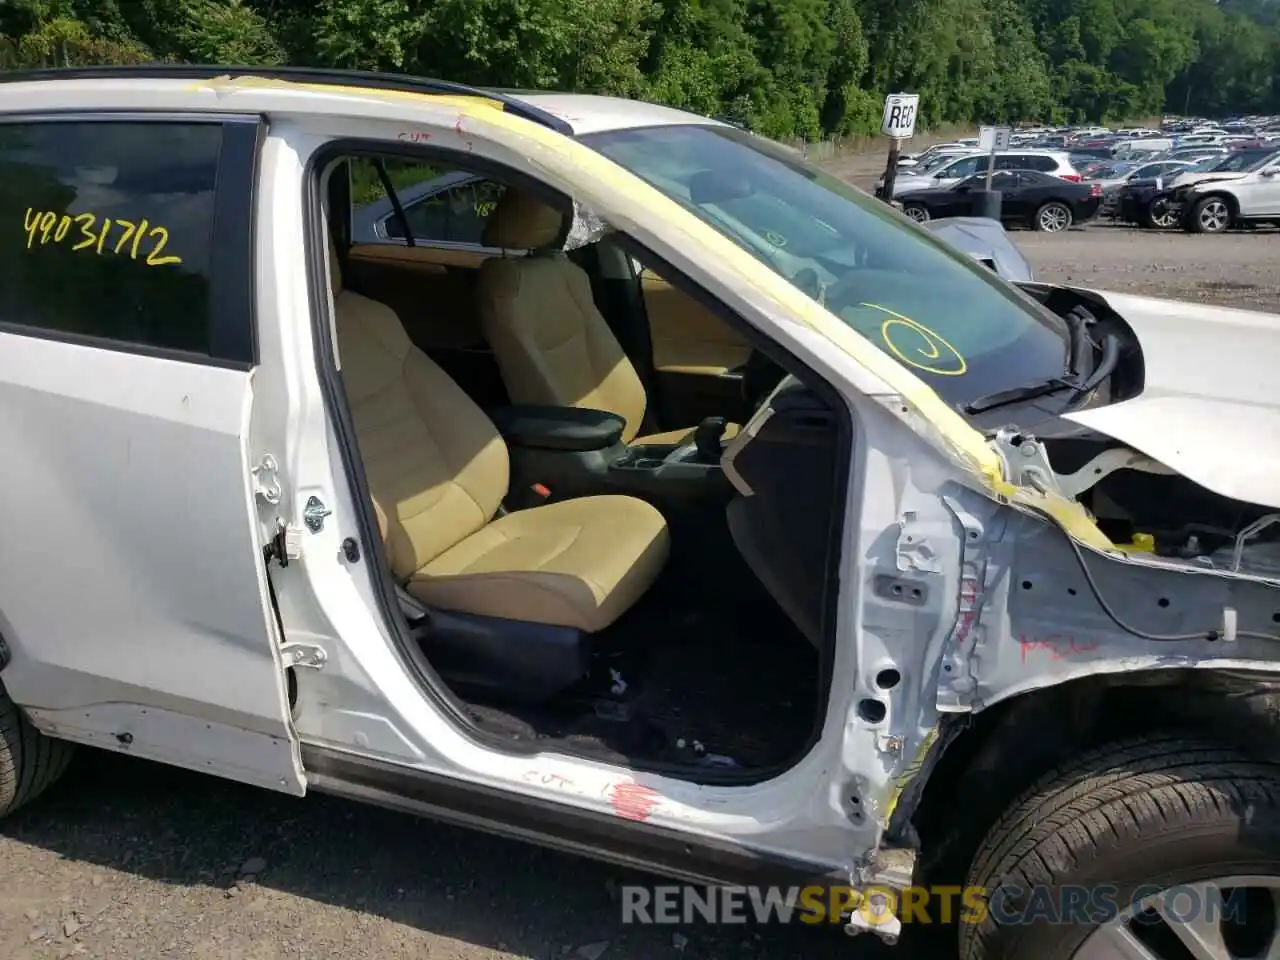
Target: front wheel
29, 761
1053, 217
917, 212
1210, 215
1160, 214
1161, 848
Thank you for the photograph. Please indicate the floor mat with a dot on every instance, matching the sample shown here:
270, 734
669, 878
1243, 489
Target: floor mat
727, 686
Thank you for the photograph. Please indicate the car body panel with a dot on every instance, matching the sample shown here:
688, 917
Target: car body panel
1259, 195
974, 162
149, 597
930, 497
986, 240
1021, 196
1202, 418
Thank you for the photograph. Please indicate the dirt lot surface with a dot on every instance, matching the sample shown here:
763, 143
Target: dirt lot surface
132, 861
1232, 270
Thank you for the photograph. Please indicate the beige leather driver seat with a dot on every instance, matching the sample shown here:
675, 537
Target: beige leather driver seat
438, 471
551, 343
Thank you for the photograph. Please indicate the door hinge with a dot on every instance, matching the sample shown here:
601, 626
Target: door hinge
297, 654
266, 480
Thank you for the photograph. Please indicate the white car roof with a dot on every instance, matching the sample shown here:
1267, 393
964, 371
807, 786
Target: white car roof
123, 89
590, 113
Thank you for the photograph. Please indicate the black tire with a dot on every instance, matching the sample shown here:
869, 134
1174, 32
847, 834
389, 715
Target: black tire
1056, 212
1161, 810
916, 211
1200, 221
29, 761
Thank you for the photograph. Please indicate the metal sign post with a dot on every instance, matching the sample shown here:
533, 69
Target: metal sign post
991, 139
898, 123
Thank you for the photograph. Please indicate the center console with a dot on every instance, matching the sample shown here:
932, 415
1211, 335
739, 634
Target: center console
574, 452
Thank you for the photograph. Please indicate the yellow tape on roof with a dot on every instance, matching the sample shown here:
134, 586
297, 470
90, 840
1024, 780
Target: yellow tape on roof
765, 284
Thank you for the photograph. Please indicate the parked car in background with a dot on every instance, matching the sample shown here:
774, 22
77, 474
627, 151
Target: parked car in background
1223, 199
1123, 173
1196, 155
1056, 163
1139, 147
951, 148
1149, 203
1028, 198
452, 207
1229, 166
987, 242
1113, 179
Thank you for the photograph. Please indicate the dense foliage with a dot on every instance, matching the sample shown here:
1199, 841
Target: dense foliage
784, 67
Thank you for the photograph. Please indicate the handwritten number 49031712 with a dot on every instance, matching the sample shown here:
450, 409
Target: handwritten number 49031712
93, 237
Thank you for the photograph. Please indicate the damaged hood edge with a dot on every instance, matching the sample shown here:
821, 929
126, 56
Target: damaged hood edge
1210, 404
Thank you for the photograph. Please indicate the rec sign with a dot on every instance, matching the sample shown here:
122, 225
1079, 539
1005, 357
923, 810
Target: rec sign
900, 115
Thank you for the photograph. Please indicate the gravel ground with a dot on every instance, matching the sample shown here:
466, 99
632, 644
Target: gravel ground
131, 860
125, 859
1232, 270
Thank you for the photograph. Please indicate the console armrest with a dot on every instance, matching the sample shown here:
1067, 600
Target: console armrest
558, 428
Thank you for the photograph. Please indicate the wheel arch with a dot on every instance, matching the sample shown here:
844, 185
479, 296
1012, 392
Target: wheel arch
1189, 212
1226, 196
1002, 750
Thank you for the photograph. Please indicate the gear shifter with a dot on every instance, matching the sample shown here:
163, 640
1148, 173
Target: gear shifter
707, 437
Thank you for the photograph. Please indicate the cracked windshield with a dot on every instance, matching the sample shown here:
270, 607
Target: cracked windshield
937, 312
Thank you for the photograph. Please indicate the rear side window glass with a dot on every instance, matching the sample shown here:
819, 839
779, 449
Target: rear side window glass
966, 168
106, 230
1042, 163
441, 204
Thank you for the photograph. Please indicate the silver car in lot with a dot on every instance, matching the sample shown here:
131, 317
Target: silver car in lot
1056, 163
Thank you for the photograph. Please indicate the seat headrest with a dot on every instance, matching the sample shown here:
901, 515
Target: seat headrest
522, 222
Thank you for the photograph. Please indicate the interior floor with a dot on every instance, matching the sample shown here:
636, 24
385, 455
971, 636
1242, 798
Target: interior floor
729, 685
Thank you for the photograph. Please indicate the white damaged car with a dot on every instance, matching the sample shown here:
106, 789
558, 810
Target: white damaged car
644, 492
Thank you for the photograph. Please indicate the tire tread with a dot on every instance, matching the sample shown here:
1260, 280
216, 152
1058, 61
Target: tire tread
1104, 797
29, 761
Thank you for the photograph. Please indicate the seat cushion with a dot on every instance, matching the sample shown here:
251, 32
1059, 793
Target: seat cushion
679, 437
577, 563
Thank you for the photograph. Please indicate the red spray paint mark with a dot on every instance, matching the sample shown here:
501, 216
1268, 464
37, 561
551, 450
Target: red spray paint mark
1058, 646
632, 801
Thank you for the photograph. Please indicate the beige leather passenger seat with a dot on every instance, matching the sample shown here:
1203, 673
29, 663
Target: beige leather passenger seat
438, 471
551, 343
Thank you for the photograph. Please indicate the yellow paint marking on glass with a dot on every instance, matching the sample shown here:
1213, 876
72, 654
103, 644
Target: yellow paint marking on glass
932, 348
622, 185
143, 241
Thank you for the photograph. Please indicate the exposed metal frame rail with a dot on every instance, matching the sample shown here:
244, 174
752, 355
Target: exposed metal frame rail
321, 75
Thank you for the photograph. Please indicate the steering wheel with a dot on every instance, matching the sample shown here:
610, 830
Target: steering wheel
806, 279
839, 293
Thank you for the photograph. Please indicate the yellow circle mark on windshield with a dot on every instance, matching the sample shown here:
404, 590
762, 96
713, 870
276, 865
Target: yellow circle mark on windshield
933, 354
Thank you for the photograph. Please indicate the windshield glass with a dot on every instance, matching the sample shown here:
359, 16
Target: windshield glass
1242, 161
1107, 171
938, 160
933, 308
